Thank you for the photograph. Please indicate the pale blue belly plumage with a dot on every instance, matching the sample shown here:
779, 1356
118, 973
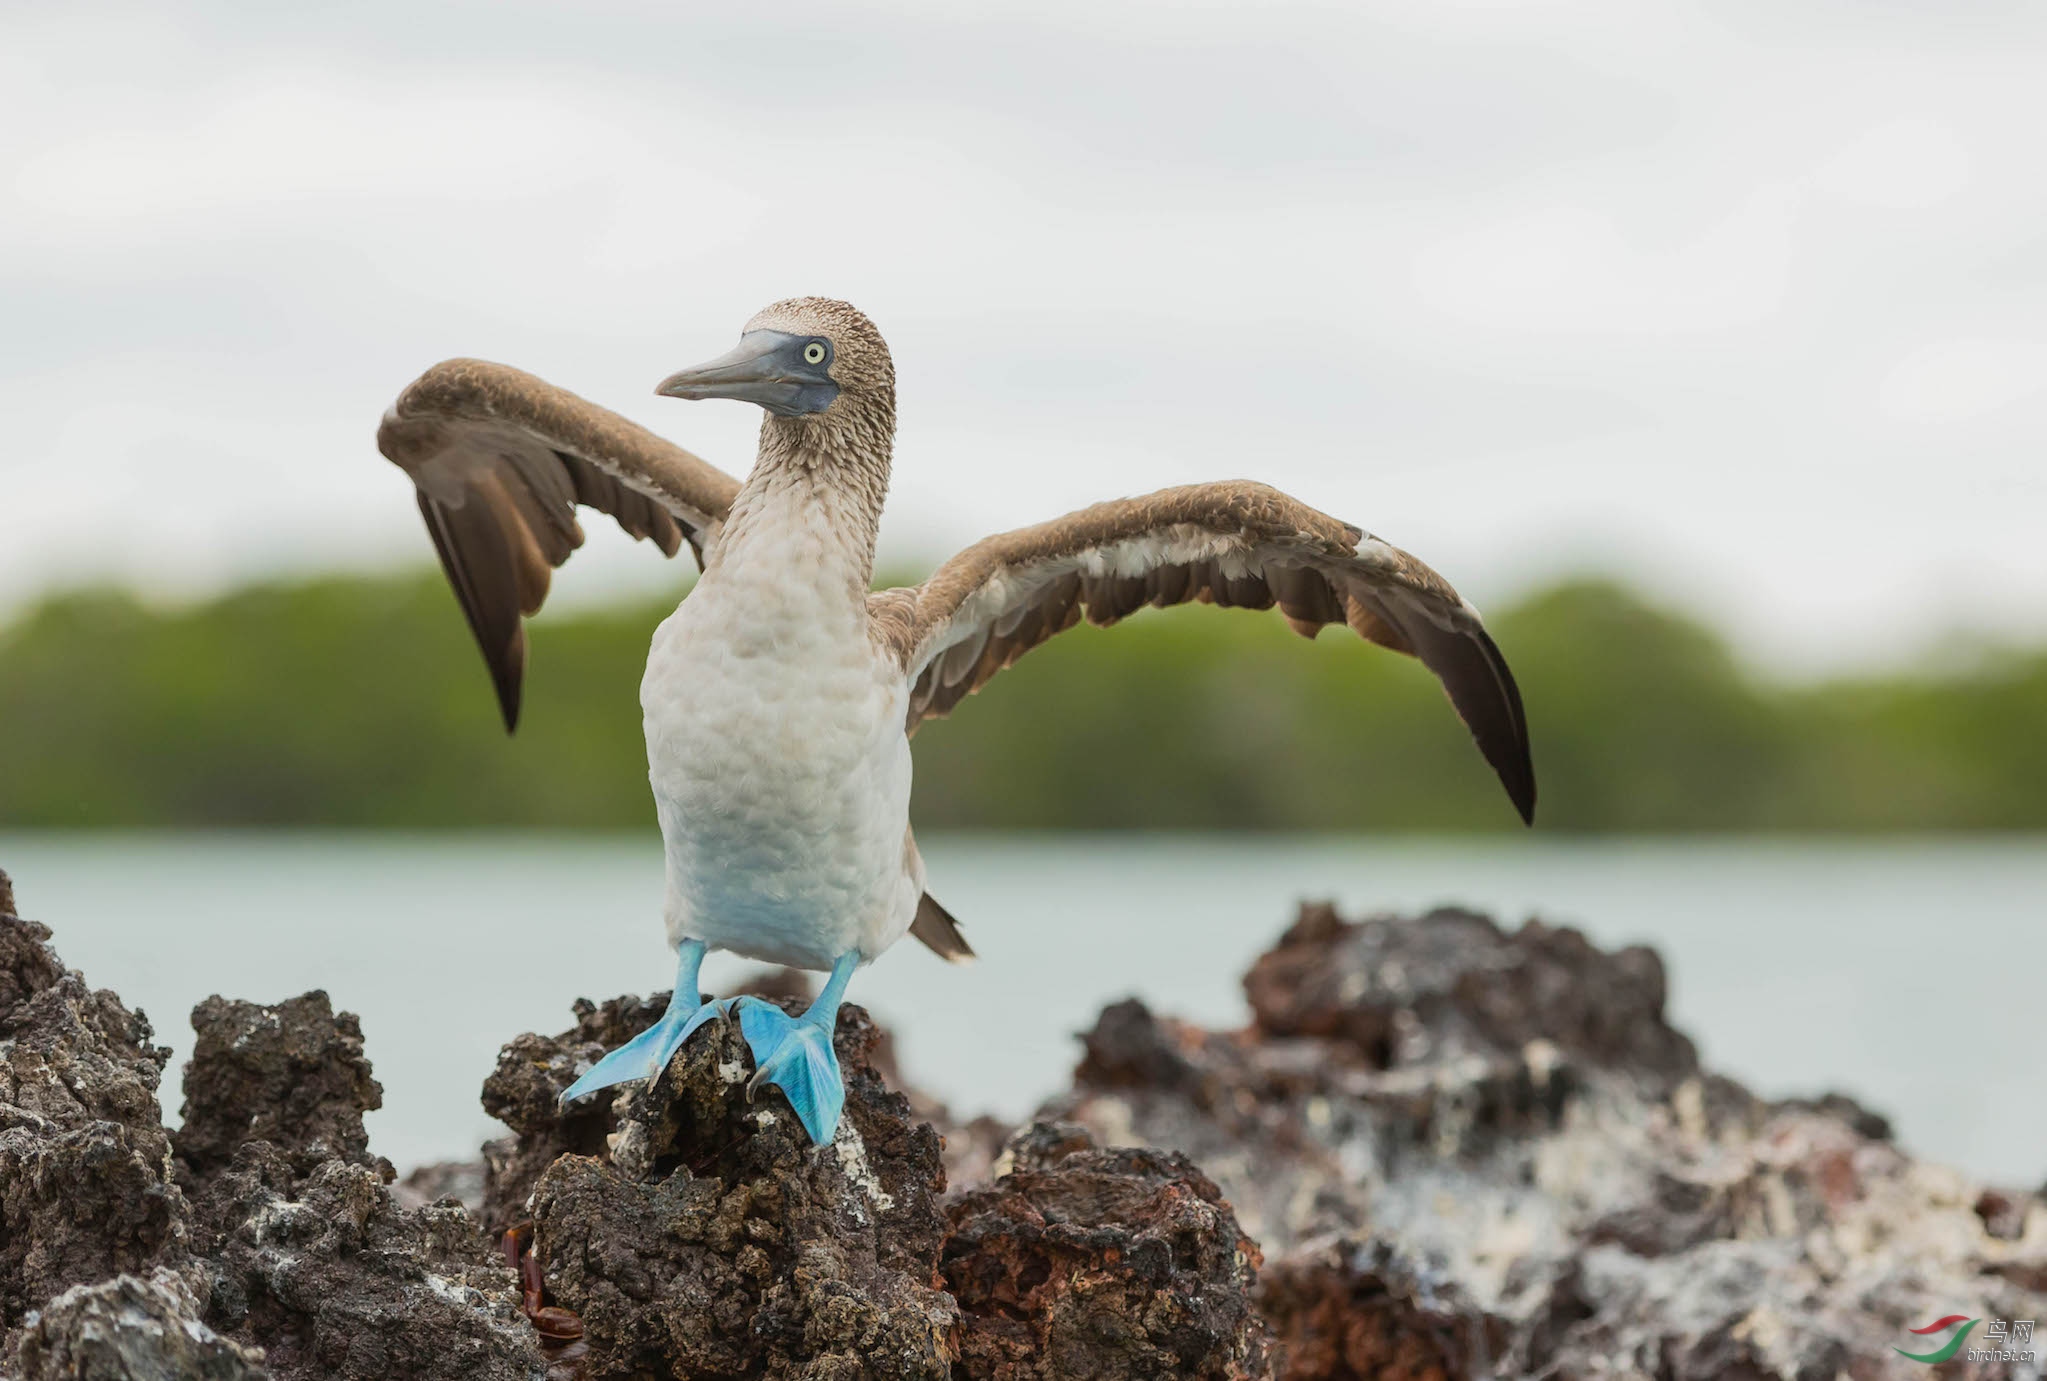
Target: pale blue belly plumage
781, 779
776, 753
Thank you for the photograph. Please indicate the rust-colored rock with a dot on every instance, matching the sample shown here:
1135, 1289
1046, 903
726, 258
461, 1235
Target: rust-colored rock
1342, 1319
1119, 1264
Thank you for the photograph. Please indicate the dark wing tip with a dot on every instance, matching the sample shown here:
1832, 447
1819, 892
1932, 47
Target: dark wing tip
1506, 746
505, 655
506, 676
1481, 688
478, 564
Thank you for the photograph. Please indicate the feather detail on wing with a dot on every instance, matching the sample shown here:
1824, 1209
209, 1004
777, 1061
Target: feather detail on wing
502, 460
1235, 544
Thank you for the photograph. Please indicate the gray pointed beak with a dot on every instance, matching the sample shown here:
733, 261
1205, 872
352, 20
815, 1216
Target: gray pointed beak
767, 369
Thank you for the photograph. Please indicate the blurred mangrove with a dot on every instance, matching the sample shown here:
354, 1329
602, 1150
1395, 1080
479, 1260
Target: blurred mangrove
360, 702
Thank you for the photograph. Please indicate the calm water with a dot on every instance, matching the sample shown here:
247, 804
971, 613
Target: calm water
1905, 972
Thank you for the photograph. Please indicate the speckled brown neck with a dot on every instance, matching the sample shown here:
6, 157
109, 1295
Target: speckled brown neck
835, 466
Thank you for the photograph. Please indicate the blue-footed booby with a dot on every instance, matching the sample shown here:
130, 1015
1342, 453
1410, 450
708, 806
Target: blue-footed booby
780, 697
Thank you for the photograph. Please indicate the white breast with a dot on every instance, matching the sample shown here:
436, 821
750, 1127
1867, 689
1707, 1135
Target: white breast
776, 751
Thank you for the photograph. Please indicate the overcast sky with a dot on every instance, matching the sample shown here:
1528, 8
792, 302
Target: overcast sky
1747, 301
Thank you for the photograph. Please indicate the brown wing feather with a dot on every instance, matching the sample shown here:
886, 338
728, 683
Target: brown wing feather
502, 460
478, 563
1475, 676
1234, 545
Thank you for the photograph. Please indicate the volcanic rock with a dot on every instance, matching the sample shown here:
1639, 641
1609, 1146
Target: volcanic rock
701, 1234
292, 1074
1119, 1264
524, 1092
307, 1253
132, 1328
1437, 1149
86, 1189
1474, 1152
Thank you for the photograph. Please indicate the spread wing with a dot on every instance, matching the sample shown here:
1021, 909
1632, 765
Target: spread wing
501, 460
1236, 544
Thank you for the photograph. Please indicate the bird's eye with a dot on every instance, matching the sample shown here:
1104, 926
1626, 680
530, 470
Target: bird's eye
814, 352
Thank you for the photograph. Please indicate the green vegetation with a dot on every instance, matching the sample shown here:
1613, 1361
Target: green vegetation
359, 702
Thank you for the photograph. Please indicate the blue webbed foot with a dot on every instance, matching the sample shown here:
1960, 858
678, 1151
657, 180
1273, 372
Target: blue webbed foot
647, 1054
795, 1055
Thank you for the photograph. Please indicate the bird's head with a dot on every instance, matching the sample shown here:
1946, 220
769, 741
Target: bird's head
817, 366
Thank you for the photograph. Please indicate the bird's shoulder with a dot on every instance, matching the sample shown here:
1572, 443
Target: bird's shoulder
892, 622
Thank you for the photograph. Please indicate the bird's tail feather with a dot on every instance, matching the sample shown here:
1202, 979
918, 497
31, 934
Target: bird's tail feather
938, 930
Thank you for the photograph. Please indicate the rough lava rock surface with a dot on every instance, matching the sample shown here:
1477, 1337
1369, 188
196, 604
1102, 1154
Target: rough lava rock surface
308, 1254
268, 1244
86, 1186
524, 1092
1439, 1149
132, 1329
292, 1074
700, 1234
1470, 1152
1119, 1264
